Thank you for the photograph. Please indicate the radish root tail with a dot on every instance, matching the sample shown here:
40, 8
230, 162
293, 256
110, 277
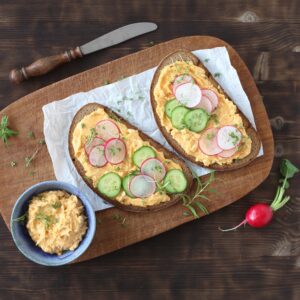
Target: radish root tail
234, 228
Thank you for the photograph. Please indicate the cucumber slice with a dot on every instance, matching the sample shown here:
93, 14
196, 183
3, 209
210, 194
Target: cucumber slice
196, 119
125, 184
175, 181
110, 184
177, 117
170, 105
142, 154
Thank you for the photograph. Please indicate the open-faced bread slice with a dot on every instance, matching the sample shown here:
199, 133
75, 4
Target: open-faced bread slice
180, 75
92, 166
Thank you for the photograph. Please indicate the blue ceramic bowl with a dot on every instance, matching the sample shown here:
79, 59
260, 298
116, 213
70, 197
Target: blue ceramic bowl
23, 240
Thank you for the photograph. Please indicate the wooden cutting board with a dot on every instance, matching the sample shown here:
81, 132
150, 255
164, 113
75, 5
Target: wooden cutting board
115, 228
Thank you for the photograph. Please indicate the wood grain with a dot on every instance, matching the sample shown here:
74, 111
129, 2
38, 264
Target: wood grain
195, 259
138, 226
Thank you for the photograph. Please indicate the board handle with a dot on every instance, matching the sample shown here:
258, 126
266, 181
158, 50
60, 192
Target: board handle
44, 65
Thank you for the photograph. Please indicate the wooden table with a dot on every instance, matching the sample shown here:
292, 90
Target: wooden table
195, 260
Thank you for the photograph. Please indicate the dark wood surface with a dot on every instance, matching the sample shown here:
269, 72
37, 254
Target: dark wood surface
195, 259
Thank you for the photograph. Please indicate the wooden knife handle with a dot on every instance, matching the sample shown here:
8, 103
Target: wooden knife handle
44, 65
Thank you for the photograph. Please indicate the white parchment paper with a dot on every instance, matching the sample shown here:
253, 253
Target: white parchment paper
130, 98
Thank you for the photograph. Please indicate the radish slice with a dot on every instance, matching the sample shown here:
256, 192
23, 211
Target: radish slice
228, 153
142, 186
208, 142
205, 104
115, 151
107, 129
189, 94
180, 80
97, 157
212, 96
154, 168
228, 137
91, 144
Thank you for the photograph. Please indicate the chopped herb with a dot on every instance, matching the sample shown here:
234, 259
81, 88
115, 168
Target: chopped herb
13, 163
114, 117
120, 219
56, 205
29, 159
106, 82
118, 110
5, 131
210, 136
99, 221
31, 173
31, 135
217, 74
151, 43
234, 137
117, 168
112, 151
122, 77
42, 142
158, 168
133, 172
86, 177
206, 60
46, 220
215, 118
92, 135
186, 213
82, 125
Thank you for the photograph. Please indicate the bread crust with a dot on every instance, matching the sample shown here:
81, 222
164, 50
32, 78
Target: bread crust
185, 55
88, 109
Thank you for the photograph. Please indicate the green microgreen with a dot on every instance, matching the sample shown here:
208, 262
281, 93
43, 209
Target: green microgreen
31, 135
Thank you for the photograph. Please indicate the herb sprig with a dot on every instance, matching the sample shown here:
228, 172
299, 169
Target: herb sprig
5, 131
191, 202
21, 219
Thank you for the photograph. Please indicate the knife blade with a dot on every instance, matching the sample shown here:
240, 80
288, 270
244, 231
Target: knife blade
46, 64
117, 36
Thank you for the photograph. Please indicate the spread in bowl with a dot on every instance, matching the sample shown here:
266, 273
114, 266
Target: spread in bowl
56, 221
33, 221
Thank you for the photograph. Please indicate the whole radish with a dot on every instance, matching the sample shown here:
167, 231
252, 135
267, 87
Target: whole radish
260, 215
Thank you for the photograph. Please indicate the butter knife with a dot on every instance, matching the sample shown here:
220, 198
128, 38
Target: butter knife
47, 64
